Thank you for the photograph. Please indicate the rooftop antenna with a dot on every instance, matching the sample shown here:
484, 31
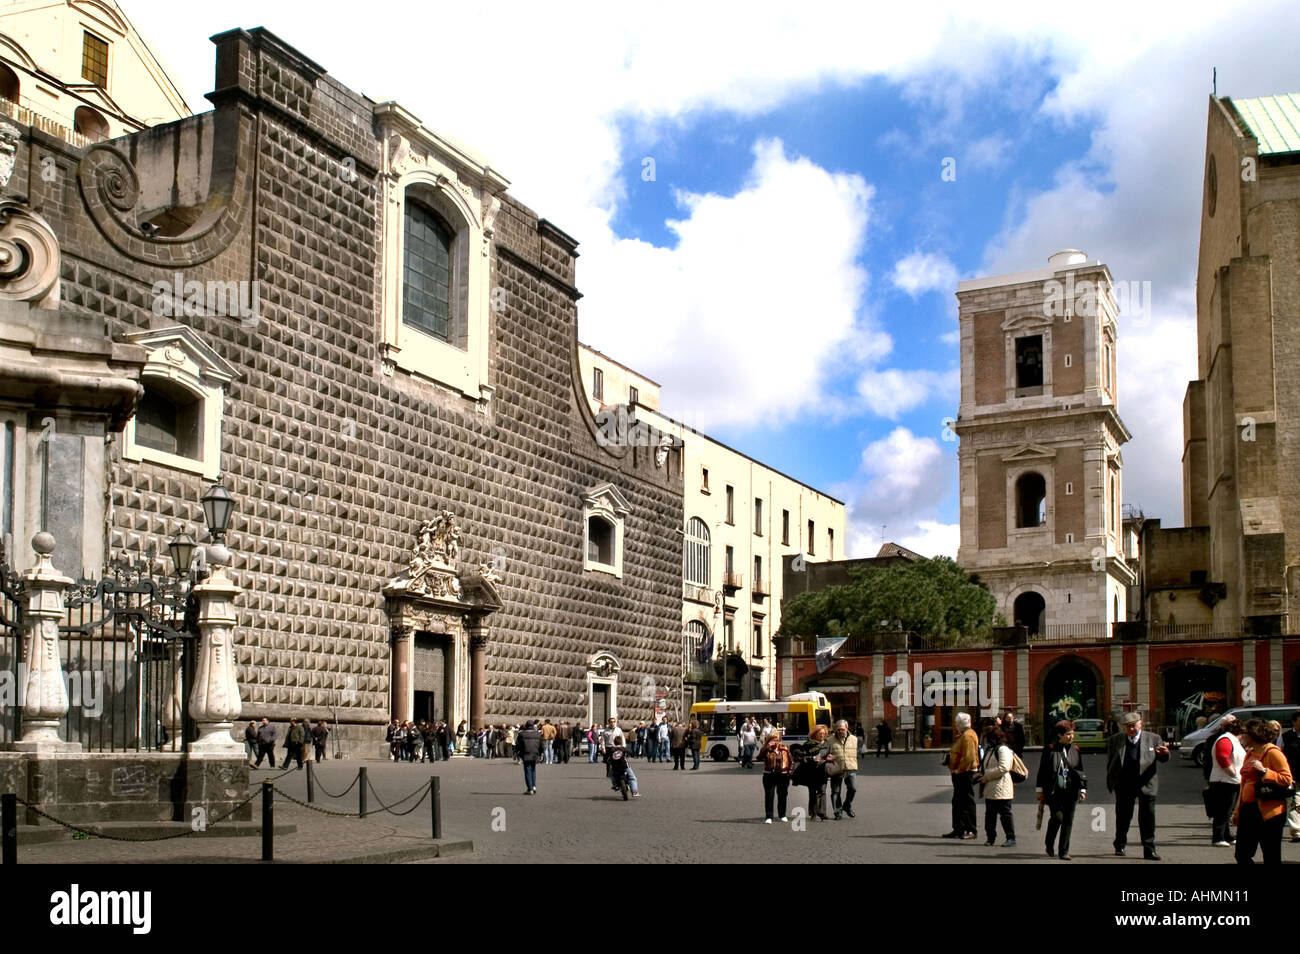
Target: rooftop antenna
1216, 82
882, 534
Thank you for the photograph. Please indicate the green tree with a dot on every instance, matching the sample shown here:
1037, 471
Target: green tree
935, 599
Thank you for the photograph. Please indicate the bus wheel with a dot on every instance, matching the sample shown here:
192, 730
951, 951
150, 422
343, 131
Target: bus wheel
719, 753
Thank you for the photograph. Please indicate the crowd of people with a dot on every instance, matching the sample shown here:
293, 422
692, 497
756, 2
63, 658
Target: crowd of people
302, 743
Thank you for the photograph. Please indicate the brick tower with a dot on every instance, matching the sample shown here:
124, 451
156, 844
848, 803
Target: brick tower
1040, 437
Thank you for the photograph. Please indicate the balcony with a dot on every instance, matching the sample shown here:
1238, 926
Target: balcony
760, 589
733, 581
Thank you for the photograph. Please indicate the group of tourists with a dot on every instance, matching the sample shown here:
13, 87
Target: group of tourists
824, 757
302, 742
421, 741
1249, 784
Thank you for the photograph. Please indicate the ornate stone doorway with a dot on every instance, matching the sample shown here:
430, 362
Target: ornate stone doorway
438, 612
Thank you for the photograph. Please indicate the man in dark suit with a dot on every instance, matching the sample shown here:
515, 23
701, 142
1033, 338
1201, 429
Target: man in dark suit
1131, 760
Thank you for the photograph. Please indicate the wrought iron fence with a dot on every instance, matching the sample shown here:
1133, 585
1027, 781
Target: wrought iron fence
127, 651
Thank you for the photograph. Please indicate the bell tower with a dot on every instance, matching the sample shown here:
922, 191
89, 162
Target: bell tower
1039, 455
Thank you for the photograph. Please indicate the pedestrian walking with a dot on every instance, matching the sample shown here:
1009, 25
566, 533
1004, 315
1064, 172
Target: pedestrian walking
748, 744
963, 763
293, 741
842, 766
1132, 758
884, 736
1224, 757
318, 737
1266, 788
1061, 784
997, 787
528, 745
1015, 733
548, 742
266, 736
663, 735
811, 770
694, 741
1289, 742
563, 741
250, 740
777, 766
593, 743
677, 744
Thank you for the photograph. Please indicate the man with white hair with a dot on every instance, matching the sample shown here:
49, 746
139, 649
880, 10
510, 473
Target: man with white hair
963, 761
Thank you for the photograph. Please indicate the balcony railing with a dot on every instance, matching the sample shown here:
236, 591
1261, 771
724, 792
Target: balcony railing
733, 581
760, 588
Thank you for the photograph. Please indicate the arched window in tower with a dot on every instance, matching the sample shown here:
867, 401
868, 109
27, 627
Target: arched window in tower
697, 552
1029, 362
1030, 611
1031, 500
10, 88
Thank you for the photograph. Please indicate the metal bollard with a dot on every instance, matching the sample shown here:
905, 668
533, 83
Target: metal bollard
311, 783
268, 822
9, 828
435, 805
361, 784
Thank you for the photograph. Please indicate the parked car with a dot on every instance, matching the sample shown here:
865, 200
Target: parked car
1193, 744
1090, 734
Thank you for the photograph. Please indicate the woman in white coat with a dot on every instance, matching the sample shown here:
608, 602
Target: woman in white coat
997, 787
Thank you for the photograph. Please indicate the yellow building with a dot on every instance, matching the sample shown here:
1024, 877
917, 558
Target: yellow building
78, 70
740, 518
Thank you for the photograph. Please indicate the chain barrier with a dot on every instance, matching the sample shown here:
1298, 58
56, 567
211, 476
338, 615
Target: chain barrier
90, 833
315, 808
272, 778
327, 793
389, 808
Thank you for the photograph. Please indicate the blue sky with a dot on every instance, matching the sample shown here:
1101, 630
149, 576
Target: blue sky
788, 273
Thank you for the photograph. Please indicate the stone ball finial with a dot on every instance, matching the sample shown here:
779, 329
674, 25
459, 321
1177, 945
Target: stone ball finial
43, 543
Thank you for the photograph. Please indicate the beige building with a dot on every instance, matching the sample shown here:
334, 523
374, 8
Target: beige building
78, 70
740, 518
1241, 417
1040, 435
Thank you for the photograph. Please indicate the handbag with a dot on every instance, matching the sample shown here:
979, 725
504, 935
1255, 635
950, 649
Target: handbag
1018, 771
1273, 792
832, 769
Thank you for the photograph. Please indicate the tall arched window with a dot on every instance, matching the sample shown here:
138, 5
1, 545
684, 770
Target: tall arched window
1031, 500
426, 284
697, 552
697, 648
1030, 611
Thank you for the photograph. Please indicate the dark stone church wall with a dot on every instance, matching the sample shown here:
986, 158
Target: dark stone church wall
335, 465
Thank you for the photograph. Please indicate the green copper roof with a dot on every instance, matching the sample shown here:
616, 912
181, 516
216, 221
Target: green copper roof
1273, 120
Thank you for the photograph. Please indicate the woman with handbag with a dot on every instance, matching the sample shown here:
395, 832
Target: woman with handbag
1266, 788
997, 787
811, 771
777, 766
1061, 785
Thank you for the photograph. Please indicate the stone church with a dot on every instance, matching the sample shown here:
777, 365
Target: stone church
347, 321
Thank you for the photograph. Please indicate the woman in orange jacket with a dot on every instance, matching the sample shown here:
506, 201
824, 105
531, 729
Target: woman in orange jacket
1260, 818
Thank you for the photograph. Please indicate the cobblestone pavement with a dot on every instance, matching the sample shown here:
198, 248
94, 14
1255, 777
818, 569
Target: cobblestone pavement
713, 815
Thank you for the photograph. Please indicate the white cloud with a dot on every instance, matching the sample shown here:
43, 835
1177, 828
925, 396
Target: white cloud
933, 539
728, 333
901, 482
892, 392
989, 152
923, 272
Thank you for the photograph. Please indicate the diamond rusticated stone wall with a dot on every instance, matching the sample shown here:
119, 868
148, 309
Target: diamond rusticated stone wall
334, 462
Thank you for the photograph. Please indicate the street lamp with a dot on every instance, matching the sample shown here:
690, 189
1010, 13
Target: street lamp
182, 552
218, 505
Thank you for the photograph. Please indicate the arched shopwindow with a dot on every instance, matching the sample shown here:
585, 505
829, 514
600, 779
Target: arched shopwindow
90, 124
697, 553
1031, 500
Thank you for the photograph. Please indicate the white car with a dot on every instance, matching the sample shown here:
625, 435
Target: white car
1193, 744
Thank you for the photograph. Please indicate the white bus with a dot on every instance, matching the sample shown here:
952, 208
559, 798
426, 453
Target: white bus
721, 721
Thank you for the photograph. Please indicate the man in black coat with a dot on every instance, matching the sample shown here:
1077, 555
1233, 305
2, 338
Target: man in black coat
1132, 758
1015, 734
528, 745
266, 736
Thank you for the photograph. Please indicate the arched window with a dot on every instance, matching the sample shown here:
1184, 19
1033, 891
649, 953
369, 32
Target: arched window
426, 278
90, 124
10, 88
697, 553
1031, 500
1030, 611
697, 647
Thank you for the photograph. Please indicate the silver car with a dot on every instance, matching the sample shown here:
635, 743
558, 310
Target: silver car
1193, 745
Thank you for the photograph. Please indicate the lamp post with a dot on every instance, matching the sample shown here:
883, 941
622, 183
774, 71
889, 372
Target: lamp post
181, 549
214, 700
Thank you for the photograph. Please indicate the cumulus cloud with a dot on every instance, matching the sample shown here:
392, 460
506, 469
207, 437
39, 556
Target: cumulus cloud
891, 392
923, 272
901, 482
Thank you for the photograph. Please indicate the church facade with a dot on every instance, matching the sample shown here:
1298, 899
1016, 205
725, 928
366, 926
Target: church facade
348, 322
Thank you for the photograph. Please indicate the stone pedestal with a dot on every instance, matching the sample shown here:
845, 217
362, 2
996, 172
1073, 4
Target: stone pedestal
46, 699
214, 701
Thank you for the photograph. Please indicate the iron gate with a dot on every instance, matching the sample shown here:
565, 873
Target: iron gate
127, 650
